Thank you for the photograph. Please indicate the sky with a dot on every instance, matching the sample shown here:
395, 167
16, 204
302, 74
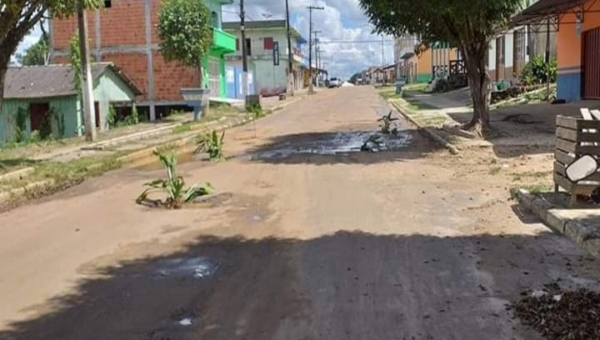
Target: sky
347, 43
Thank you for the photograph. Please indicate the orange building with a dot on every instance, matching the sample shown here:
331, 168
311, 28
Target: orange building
577, 23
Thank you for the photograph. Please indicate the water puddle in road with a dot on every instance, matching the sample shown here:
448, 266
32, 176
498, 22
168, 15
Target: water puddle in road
196, 267
330, 144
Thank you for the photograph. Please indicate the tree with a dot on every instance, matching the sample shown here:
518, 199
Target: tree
38, 53
17, 18
468, 25
355, 77
184, 29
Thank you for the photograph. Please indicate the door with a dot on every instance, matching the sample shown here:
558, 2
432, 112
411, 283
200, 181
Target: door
500, 59
591, 64
37, 112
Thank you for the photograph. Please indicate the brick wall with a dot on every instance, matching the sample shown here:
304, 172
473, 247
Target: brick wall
123, 42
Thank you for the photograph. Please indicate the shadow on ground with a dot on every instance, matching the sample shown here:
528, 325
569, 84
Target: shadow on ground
341, 147
348, 285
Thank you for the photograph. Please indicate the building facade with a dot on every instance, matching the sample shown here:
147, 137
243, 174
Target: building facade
261, 39
126, 34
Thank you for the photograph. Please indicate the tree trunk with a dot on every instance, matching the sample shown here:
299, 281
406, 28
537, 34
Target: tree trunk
3, 69
479, 84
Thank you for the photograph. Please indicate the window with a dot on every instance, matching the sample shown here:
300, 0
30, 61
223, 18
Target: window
248, 46
268, 43
237, 44
215, 19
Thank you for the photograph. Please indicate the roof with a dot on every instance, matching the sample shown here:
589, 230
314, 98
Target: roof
262, 24
52, 80
543, 9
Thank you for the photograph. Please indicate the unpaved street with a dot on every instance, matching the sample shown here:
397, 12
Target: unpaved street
309, 240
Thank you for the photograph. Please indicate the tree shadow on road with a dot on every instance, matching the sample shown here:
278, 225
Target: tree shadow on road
347, 285
334, 147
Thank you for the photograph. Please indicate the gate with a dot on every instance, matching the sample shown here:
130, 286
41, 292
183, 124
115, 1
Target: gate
591, 64
214, 77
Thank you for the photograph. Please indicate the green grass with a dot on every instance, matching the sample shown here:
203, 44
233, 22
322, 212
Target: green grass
185, 127
417, 105
536, 188
530, 174
415, 87
389, 94
495, 170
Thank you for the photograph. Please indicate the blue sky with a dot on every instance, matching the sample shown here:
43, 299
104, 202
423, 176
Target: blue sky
340, 21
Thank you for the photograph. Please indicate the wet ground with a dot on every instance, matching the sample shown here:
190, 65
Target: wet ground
402, 244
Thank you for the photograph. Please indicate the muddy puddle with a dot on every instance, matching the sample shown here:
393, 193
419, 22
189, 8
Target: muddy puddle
196, 267
332, 144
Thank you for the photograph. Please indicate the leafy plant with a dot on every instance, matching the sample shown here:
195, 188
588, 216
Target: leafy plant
537, 70
212, 144
386, 124
75, 60
46, 125
255, 110
20, 126
185, 32
133, 118
173, 186
111, 117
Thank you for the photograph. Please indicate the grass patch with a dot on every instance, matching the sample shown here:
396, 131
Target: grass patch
185, 127
389, 94
495, 170
530, 174
534, 189
419, 87
417, 105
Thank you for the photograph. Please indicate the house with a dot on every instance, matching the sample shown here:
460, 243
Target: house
577, 27
39, 95
262, 37
511, 50
420, 67
126, 34
389, 73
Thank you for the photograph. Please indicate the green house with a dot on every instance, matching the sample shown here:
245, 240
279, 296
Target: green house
44, 98
223, 43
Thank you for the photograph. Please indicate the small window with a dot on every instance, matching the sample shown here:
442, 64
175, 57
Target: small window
248, 46
237, 44
215, 19
268, 43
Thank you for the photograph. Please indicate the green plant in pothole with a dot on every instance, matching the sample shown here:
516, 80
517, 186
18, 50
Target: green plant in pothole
373, 144
173, 187
212, 144
387, 125
255, 110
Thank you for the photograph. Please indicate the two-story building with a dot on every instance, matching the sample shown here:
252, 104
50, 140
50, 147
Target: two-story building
126, 35
269, 76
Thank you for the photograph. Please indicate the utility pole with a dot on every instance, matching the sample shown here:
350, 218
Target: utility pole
310, 68
317, 51
89, 115
382, 52
244, 52
290, 54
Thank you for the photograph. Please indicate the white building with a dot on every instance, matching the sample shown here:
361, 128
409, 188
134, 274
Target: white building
261, 39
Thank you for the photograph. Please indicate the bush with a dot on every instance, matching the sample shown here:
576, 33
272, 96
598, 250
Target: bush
536, 71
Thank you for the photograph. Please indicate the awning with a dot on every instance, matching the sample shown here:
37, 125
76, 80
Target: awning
407, 55
544, 10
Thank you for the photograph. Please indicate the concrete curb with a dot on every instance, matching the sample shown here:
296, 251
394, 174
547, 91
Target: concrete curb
431, 132
128, 138
16, 175
585, 236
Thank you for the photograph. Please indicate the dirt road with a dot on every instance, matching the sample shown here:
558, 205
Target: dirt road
310, 241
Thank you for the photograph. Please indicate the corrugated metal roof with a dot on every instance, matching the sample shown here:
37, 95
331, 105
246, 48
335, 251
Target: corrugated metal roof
51, 80
542, 9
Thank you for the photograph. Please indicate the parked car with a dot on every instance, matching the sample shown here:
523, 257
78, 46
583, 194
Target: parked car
334, 82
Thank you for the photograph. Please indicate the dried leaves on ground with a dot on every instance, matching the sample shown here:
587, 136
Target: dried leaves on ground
560, 314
